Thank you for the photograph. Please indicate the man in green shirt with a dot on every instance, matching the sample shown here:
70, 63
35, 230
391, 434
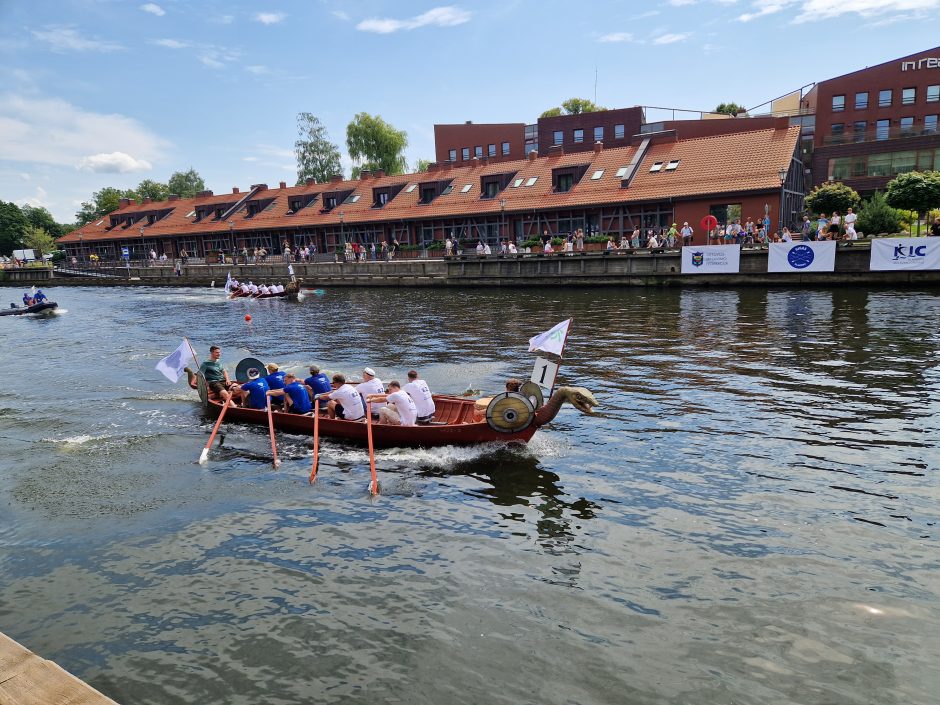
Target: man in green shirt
216, 377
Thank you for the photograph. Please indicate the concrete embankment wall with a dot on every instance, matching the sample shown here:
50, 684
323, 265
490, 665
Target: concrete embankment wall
601, 269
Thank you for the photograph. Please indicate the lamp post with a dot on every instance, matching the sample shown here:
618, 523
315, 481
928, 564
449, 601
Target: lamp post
142, 247
502, 217
783, 180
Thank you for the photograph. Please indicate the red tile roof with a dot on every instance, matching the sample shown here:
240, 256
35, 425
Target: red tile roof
732, 163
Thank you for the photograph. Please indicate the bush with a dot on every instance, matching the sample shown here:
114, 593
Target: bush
832, 197
876, 216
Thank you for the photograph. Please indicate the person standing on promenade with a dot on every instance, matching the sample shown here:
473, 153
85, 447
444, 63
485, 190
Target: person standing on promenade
579, 240
687, 233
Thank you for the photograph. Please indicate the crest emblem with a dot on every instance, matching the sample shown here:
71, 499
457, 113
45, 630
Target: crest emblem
698, 259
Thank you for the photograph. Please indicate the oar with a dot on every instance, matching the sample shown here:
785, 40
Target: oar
204, 456
374, 485
277, 462
316, 439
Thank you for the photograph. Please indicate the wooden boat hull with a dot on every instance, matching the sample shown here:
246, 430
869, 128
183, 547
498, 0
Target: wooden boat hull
458, 426
24, 310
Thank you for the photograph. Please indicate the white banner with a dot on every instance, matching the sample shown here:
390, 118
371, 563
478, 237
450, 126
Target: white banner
711, 259
802, 256
895, 254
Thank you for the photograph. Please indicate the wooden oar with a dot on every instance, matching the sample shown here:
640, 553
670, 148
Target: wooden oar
204, 456
277, 463
316, 439
374, 485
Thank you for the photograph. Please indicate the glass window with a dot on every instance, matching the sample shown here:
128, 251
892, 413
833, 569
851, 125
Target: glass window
884, 98
491, 150
839, 168
656, 167
925, 160
559, 137
858, 130
579, 135
859, 165
618, 132
505, 149
907, 126
411, 188
517, 183
598, 134
673, 165
838, 129
597, 174
531, 180
478, 151
882, 129
452, 155
861, 100
465, 153
903, 161
933, 94
466, 188
838, 103
621, 172
879, 165
930, 124
908, 96
565, 182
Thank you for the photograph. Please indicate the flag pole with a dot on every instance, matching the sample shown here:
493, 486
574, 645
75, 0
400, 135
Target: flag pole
195, 359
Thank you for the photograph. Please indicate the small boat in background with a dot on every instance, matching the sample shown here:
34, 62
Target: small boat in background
15, 310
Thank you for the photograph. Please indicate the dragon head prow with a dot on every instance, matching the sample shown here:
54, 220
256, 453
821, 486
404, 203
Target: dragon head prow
580, 398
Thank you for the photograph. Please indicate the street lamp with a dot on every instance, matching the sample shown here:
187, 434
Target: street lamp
502, 217
783, 180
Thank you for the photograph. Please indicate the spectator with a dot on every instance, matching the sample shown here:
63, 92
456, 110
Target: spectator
579, 239
849, 219
935, 228
635, 239
686, 233
806, 230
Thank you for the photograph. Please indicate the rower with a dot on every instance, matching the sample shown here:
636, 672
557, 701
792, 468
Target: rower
318, 382
253, 288
263, 289
419, 391
295, 395
400, 409
513, 385
255, 390
370, 385
345, 401
39, 297
245, 289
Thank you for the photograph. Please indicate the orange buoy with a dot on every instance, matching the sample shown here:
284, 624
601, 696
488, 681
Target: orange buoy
248, 318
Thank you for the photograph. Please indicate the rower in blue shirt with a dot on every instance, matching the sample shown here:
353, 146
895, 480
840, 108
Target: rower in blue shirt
295, 393
318, 382
275, 379
39, 297
255, 390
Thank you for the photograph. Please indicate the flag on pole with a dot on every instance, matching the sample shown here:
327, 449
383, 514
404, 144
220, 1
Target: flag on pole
228, 281
551, 341
172, 365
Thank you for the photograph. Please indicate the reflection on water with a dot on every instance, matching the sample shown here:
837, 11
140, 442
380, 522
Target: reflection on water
751, 517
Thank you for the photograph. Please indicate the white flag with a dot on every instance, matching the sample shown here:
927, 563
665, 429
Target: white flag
551, 341
172, 365
228, 281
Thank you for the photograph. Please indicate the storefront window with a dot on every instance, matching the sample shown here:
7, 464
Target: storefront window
879, 165
839, 168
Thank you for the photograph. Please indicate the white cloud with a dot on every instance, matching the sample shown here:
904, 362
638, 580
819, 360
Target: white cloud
616, 37
153, 9
671, 38
258, 70
113, 163
52, 131
170, 43
270, 17
448, 16
40, 199
25, 176
222, 19
62, 39
817, 10
339, 14
680, 3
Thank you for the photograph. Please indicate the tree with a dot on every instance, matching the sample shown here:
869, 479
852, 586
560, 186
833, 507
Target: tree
39, 241
917, 191
876, 216
13, 226
39, 217
103, 202
732, 109
376, 145
573, 106
422, 165
152, 189
186, 184
830, 197
317, 157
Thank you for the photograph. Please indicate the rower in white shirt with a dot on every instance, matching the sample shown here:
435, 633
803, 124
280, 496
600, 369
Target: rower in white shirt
399, 409
370, 384
419, 391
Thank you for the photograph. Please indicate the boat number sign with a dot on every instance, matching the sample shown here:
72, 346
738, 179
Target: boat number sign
544, 373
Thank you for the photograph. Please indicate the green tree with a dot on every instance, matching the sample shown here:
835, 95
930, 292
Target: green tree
185, 184
422, 165
102, 202
39, 241
573, 106
876, 217
152, 189
730, 109
317, 157
834, 196
376, 145
39, 217
916, 191
13, 226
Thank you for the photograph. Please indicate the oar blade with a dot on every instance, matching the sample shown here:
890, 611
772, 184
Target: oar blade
204, 456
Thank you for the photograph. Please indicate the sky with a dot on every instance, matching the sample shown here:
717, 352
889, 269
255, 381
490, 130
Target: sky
97, 93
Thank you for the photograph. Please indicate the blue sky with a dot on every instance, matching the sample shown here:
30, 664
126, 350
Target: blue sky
97, 93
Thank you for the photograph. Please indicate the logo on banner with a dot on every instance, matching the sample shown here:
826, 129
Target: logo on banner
698, 258
801, 256
902, 252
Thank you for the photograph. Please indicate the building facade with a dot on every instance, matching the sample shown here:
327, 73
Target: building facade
461, 144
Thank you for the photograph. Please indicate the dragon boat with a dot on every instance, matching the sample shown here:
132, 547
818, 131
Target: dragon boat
291, 291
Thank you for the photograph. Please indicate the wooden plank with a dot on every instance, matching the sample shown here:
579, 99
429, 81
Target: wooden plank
28, 679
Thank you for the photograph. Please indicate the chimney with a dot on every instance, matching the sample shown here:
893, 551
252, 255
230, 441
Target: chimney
173, 197
365, 174
207, 194
556, 150
124, 202
598, 146
258, 187
283, 184
336, 178
433, 166
311, 181
147, 200
533, 155
234, 189
378, 173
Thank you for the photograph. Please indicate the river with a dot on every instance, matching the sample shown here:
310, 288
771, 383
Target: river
750, 518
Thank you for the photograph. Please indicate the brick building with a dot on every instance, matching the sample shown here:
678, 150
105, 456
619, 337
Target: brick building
657, 179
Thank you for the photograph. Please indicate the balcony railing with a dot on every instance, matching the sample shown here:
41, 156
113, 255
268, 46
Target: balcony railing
877, 135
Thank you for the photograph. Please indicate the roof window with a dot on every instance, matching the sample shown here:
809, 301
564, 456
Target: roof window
597, 174
101, 221
191, 214
466, 188
411, 188
517, 183
658, 166
621, 171
531, 181
352, 199
671, 166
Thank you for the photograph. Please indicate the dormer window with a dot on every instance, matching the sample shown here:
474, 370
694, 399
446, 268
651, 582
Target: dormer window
381, 196
428, 194
564, 178
381, 199
330, 202
564, 182
490, 189
218, 213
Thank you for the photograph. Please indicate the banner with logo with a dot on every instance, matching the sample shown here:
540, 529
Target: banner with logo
902, 253
802, 256
711, 259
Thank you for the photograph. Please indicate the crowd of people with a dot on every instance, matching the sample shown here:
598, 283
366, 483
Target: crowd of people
239, 289
335, 397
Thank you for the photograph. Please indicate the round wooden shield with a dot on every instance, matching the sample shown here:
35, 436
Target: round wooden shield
241, 369
533, 392
203, 389
510, 412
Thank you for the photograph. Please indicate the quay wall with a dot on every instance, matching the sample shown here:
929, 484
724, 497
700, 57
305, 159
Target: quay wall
591, 269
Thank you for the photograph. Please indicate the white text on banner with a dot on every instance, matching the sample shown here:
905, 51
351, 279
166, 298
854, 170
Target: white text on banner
711, 259
903, 253
802, 256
